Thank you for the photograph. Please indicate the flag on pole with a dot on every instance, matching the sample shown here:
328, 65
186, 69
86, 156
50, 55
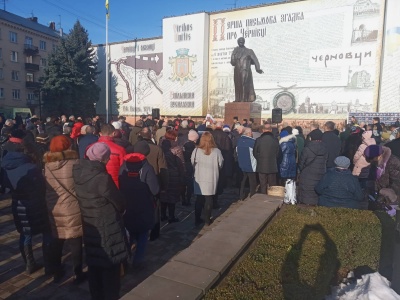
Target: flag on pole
107, 11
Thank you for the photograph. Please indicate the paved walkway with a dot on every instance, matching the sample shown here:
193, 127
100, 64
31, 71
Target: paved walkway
15, 284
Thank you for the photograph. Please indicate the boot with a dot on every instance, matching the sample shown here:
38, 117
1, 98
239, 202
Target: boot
47, 259
208, 210
31, 265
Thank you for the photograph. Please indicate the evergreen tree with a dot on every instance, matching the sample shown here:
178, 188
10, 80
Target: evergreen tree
69, 80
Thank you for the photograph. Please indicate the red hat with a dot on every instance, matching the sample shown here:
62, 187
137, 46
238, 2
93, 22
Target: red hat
59, 143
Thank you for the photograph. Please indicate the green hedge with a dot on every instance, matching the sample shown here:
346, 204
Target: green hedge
303, 252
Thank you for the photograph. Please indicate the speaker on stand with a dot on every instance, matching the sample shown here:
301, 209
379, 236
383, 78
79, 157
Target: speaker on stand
277, 115
155, 113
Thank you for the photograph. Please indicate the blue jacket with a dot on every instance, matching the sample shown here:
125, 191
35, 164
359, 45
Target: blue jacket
287, 168
84, 142
244, 149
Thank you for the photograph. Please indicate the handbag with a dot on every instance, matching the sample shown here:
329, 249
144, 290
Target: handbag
194, 161
290, 192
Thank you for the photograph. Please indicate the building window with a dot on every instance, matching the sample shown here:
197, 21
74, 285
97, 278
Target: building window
29, 59
54, 47
15, 75
1, 93
16, 94
14, 56
29, 77
28, 40
1, 73
42, 45
43, 62
31, 96
13, 37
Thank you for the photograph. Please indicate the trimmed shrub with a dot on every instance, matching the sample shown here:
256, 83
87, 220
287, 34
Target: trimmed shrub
303, 252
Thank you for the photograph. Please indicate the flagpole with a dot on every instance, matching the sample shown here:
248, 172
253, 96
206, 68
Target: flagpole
107, 66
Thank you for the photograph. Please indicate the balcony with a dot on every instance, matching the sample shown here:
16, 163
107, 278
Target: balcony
31, 67
32, 102
30, 50
32, 85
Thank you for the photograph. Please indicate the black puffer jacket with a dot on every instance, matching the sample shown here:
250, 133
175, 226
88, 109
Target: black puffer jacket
28, 191
139, 184
312, 167
102, 205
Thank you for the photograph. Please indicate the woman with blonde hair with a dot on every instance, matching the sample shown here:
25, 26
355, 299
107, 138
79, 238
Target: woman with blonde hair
207, 160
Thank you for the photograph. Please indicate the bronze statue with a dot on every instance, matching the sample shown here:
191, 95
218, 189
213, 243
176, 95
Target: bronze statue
242, 58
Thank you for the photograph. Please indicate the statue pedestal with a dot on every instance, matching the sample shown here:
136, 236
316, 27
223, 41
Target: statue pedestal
242, 110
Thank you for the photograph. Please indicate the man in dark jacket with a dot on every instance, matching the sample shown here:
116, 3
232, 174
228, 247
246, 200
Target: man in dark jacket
86, 140
27, 185
339, 188
394, 145
247, 162
267, 153
102, 206
224, 144
332, 143
133, 135
53, 127
139, 184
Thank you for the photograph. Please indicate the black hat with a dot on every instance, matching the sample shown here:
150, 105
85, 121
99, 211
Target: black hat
315, 135
142, 147
18, 133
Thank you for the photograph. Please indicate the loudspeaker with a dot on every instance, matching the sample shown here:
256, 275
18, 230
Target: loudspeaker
277, 115
155, 113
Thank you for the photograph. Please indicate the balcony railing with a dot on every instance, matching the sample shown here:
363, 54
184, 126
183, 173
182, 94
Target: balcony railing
30, 50
32, 102
32, 85
31, 67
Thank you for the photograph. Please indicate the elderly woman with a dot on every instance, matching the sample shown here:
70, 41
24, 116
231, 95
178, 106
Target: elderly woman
339, 188
385, 168
207, 161
62, 205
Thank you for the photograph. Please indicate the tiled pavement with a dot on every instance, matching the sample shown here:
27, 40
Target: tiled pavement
15, 284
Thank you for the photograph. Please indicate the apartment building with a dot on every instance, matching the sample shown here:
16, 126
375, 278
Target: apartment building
24, 49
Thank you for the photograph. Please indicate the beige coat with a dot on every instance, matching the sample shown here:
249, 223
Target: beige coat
62, 204
361, 166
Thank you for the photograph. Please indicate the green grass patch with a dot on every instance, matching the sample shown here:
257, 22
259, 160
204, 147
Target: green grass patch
305, 251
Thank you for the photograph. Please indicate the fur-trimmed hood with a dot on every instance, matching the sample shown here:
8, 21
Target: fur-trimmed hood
287, 138
63, 156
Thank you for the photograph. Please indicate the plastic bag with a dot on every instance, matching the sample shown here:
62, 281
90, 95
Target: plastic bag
290, 192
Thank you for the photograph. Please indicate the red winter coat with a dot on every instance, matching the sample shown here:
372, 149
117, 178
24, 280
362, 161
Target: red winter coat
116, 157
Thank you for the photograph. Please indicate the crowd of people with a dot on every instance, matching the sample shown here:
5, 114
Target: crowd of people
109, 186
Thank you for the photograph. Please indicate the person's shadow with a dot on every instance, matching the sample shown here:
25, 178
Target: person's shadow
309, 285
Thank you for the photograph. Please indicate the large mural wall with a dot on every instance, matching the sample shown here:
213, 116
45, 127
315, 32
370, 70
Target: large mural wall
319, 57
389, 98
136, 73
321, 60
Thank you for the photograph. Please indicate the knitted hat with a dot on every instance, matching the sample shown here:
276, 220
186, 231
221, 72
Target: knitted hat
342, 162
83, 129
142, 147
373, 151
117, 125
283, 134
193, 135
315, 135
59, 143
98, 151
295, 131
226, 128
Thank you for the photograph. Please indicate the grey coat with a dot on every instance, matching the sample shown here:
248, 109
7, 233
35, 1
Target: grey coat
206, 171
